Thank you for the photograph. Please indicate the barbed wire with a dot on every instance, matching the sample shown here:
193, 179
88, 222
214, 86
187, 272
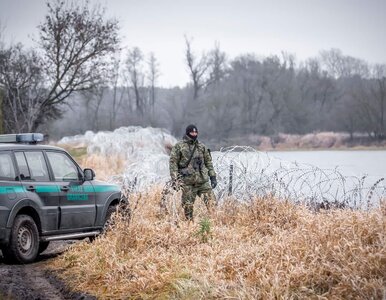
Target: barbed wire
244, 173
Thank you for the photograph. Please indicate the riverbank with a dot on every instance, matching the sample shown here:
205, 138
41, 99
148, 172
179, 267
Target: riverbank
311, 141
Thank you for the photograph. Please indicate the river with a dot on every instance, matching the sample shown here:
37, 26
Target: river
354, 178
349, 163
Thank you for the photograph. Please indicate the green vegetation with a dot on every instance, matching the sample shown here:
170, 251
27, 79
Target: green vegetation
204, 231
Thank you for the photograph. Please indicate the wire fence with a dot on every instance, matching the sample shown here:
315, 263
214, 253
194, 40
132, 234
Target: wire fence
244, 173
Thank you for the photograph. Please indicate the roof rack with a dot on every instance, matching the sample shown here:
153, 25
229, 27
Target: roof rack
26, 138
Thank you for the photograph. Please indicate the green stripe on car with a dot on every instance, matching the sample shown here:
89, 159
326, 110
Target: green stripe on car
11, 189
56, 188
104, 188
76, 197
47, 188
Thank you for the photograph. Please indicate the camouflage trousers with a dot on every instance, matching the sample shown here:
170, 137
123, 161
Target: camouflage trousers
189, 194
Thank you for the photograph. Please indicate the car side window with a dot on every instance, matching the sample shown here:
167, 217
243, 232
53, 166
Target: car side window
23, 166
37, 166
7, 170
63, 167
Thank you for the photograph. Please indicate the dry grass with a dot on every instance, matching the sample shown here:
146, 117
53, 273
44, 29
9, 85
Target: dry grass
104, 166
265, 249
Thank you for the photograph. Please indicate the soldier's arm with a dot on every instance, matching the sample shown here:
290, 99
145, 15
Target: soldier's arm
208, 162
173, 162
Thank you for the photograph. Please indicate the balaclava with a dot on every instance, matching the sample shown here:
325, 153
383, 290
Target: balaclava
190, 129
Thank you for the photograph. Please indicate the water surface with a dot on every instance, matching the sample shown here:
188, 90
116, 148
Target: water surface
349, 163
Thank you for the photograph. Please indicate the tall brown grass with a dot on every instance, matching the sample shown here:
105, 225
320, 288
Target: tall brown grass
105, 166
264, 249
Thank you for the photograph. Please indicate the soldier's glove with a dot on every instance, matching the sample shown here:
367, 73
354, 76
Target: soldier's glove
213, 181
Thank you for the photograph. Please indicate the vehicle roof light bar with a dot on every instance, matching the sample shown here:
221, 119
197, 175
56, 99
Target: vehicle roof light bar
27, 138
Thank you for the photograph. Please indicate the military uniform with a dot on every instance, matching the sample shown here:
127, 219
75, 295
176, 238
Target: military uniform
193, 175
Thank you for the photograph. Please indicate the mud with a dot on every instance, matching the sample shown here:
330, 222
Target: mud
35, 281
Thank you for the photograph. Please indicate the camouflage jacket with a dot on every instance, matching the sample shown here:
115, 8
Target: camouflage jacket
200, 166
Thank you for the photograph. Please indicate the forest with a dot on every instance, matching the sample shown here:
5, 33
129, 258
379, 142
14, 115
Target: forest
78, 77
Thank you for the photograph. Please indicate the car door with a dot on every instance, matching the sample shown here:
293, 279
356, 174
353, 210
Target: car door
77, 197
34, 176
10, 189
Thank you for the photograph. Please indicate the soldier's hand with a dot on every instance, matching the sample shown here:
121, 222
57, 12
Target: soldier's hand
213, 181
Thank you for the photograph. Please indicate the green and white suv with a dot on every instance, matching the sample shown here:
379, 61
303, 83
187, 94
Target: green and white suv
46, 196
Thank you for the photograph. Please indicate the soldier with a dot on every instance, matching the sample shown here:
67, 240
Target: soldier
191, 166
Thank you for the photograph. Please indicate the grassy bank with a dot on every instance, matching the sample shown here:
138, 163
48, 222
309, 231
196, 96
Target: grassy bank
265, 249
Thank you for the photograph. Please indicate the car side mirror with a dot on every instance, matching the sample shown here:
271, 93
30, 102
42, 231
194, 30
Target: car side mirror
89, 174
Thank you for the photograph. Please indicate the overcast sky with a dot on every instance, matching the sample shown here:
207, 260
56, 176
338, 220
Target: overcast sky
301, 27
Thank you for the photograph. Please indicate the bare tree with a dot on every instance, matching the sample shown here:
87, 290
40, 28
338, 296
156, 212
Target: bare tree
94, 98
217, 65
339, 65
154, 73
198, 68
245, 81
134, 66
379, 93
76, 44
176, 108
117, 93
370, 102
22, 79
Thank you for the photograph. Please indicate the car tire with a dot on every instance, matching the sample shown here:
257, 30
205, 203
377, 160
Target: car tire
23, 245
43, 246
108, 221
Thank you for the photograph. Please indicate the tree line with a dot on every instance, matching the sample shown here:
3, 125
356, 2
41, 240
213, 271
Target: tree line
79, 78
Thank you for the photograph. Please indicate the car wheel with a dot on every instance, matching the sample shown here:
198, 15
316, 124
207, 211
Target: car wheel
24, 241
43, 246
108, 220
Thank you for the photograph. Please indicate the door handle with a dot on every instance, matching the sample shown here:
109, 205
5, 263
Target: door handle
31, 188
64, 188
